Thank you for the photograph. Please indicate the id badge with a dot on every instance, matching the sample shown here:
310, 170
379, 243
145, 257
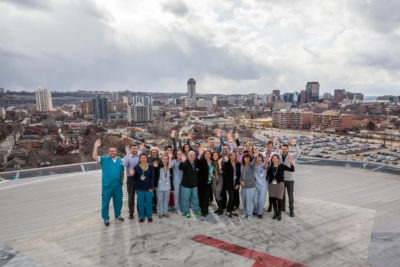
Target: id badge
274, 182
142, 177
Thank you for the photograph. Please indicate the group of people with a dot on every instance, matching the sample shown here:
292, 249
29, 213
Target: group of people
192, 176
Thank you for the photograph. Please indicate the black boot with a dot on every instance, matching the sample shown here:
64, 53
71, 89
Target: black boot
279, 216
275, 213
221, 210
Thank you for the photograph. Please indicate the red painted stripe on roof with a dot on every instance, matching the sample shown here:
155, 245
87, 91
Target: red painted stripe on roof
262, 259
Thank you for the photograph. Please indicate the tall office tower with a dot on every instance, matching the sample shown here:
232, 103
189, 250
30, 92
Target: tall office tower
276, 95
100, 108
191, 98
139, 113
43, 100
312, 91
289, 97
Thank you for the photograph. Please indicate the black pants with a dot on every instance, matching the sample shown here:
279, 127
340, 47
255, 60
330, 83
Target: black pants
155, 200
224, 199
230, 200
204, 196
236, 198
289, 186
277, 204
130, 184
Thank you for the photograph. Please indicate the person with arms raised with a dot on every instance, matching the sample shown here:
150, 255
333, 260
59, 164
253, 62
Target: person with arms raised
112, 171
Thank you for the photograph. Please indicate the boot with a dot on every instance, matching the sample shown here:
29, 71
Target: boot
221, 210
275, 213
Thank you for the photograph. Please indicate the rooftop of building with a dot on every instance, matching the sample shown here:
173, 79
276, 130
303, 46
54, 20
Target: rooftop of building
345, 216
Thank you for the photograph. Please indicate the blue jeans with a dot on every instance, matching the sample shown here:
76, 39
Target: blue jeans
145, 204
113, 191
190, 195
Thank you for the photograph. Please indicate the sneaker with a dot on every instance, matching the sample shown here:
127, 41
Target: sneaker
187, 215
166, 215
160, 216
131, 216
141, 220
179, 212
107, 223
199, 213
260, 216
291, 214
229, 214
235, 214
244, 216
149, 220
120, 218
250, 218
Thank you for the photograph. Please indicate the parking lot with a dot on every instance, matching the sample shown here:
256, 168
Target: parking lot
335, 147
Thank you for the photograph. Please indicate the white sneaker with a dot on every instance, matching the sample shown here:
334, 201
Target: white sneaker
244, 216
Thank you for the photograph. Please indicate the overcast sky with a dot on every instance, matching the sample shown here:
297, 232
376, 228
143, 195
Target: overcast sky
226, 46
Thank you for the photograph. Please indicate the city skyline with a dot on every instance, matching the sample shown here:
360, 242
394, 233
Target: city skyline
227, 47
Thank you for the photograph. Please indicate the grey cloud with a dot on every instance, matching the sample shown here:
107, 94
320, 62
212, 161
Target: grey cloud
176, 7
9, 54
99, 65
31, 4
381, 16
382, 53
92, 9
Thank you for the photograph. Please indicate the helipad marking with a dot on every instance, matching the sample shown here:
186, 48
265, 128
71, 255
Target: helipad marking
261, 259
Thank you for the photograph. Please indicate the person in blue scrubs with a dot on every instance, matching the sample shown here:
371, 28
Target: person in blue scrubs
112, 180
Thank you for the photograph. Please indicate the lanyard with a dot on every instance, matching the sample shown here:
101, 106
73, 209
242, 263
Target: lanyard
165, 172
140, 165
274, 171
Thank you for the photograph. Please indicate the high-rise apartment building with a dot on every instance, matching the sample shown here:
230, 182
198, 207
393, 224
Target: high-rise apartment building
328, 121
286, 119
140, 114
191, 97
142, 100
312, 91
43, 100
332, 121
100, 108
